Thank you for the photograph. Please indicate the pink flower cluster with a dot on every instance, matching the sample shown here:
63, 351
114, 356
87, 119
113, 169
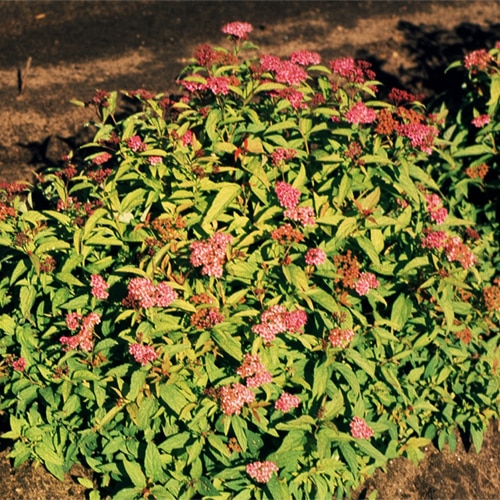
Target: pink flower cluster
287, 402
219, 85
135, 144
353, 71
277, 320
233, 397
210, 254
288, 196
295, 97
435, 208
237, 29
282, 154
360, 113
19, 364
477, 60
315, 257
455, 249
305, 57
261, 471
155, 160
481, 121
339, 337
102, 158
304, 215
421, 136
143, 293
84, 337
99, 287
254, 371
360, 429
284, 71
365, 283
142, 353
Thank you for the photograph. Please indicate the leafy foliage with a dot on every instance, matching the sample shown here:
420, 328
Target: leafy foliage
265, 288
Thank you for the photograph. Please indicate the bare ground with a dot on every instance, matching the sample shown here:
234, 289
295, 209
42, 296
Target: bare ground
76, 47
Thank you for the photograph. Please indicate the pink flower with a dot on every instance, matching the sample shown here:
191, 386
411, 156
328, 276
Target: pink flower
273, 322
261, 471
233, 397
359, 113
165, 294
290, 73
339, 337
288, 196
155, 160
210, 254
456, 250
73, 320
435, 208
421, 136
295, 321
102, 158
143, 293
237, 29
277, 319
305, 215
294, 97
99, 287
188, 137
198, 82
305, 58
353, 71
135, 143
142, 353
269, 63
477, 60
360, 429
219, 84
365, 283
315, 257
19, 364
481, 121
281, 154
287, 402
434, 239
84, 337
254, 371
284, 71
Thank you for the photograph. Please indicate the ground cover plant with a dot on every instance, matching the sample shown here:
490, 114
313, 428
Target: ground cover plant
265, 288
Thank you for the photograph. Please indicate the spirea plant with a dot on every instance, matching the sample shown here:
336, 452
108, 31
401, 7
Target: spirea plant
264, 288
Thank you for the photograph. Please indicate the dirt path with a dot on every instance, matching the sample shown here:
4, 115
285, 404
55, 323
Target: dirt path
76, 47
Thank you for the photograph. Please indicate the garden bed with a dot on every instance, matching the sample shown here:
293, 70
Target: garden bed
40, 126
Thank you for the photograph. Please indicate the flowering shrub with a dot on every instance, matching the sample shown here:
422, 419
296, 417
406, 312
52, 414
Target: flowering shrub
261, 289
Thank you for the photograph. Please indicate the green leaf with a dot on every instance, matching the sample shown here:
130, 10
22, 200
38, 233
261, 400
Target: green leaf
221, 201
27, 296
401, 311
7, 324
227, 342
136, 384
134, 472
239, 427
153, 463
213, 119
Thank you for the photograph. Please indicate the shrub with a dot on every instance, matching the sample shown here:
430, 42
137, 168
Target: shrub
256, 290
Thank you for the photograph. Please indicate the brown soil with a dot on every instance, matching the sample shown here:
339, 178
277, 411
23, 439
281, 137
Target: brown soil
76, 47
